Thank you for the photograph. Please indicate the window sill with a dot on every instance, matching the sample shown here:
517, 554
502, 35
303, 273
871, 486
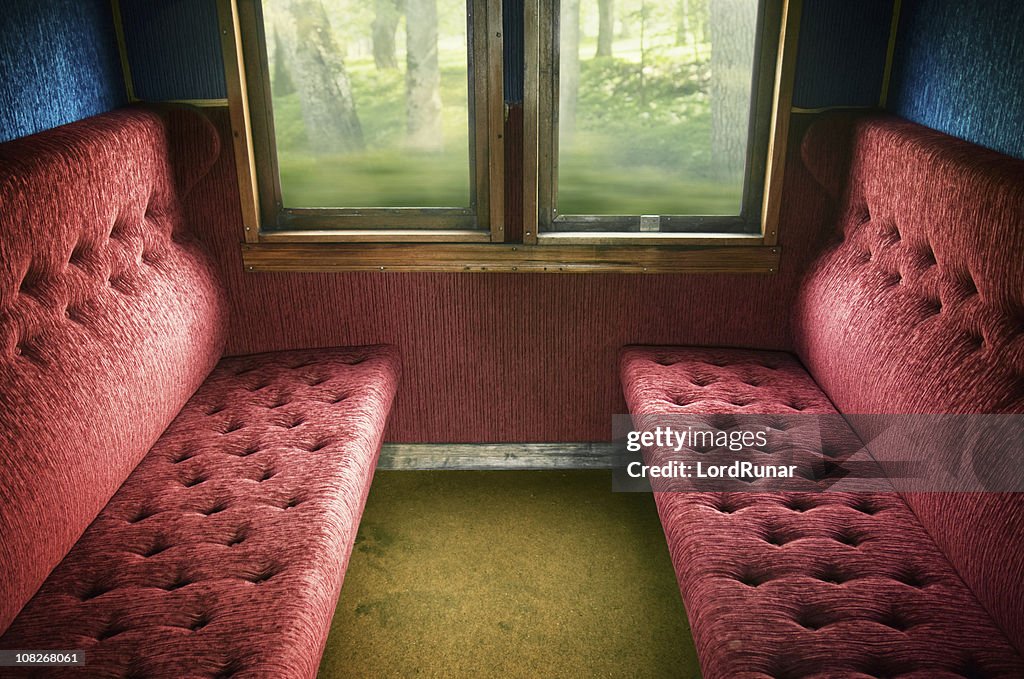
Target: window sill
546, 257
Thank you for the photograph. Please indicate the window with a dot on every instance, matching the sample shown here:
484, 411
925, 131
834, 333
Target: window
372, 119
369, 134
654, 118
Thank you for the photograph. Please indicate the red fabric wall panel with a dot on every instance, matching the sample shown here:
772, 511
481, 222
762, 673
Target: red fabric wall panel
496, 357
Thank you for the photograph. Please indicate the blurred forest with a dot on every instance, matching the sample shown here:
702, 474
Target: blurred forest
371, 103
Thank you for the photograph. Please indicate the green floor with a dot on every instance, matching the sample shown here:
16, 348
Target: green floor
508, 574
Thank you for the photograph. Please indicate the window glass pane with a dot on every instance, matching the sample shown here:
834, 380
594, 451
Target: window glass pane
654, 105
370, 101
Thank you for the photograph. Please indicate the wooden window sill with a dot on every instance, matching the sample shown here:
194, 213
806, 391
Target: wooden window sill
511, 258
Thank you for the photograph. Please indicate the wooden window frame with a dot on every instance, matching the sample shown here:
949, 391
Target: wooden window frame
771, 101
375, 247
269, 221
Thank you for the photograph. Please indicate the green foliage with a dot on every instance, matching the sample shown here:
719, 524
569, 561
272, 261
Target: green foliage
642, 139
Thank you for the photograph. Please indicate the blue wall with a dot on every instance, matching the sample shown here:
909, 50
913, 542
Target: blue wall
841, 53
58, 63
174, 49
959, 68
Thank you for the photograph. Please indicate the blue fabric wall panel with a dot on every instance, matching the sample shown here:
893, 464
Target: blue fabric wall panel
174, 49
58, 63
959, 68
512, 25
841, 53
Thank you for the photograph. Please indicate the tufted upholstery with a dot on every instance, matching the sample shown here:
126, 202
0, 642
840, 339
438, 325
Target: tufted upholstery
707, 387
804, 584
110, 318
223, 553
919, 307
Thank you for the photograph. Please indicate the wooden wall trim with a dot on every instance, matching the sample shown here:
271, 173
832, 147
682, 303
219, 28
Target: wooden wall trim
509, 258
122, 50
499, 456
238, 105
778, 139
883, 97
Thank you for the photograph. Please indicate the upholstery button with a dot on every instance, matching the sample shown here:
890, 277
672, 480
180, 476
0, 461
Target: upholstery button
265, 575
217, 508
97, 590
111, 630
865, 507
141, 515
799, 505
848, 539
811, 620
195, 481
158, 547
910, 579
199, 622
178, 583
752, 578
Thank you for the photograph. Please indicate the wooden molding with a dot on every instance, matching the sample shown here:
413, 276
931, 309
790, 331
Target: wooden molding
531, 118
495, 102
498, 456
883, 96
509, 258
122, 50
238, 107
782, 105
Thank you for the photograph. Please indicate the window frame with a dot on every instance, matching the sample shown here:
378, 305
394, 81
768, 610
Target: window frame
488, 250
268, 221
767, 34
772, 93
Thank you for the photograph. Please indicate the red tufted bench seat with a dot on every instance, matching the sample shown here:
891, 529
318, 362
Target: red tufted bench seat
915, 309
167, 520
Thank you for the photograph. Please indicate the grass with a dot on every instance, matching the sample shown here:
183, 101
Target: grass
510, 574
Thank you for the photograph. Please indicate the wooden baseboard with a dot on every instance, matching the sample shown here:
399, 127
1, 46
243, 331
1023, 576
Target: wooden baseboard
497, 456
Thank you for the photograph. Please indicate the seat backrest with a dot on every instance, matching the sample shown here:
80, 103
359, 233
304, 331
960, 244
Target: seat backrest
919, 308
110, 318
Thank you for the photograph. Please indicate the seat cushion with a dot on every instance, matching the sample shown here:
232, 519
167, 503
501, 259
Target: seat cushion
804, 584
223, 553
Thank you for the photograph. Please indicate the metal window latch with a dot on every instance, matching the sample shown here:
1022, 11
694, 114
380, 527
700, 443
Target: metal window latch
650, 222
